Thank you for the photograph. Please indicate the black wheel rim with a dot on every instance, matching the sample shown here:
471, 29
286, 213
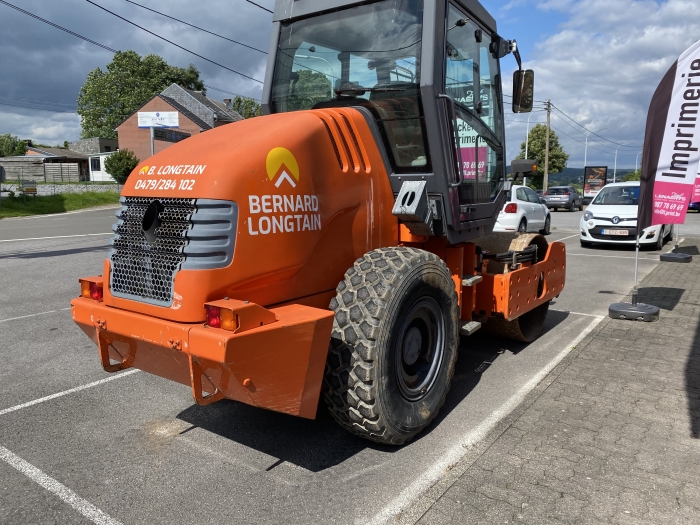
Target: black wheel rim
419, 348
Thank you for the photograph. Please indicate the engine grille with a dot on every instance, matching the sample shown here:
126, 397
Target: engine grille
143, 270
193, 233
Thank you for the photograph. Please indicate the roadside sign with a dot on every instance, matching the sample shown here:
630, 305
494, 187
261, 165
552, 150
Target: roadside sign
157, 119
594, 178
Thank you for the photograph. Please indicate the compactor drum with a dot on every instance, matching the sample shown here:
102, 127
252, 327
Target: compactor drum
339, 246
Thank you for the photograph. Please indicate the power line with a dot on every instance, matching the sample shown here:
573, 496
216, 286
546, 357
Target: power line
592, 147
37, 108
197, 27
230, 92
57, 26
261, 7
71, 106
173, 43
589, 131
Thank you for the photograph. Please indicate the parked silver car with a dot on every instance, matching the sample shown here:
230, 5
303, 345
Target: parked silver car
566, 197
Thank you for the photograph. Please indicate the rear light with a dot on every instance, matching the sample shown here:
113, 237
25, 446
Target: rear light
91, 288
220, 318
566, 193
545, 193
213, 316
511, 207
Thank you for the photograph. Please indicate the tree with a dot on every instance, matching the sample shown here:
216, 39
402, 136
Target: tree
120, 164
537, 140
108, 97
634, 175
8, 145
246, 107
312, 87
20, 149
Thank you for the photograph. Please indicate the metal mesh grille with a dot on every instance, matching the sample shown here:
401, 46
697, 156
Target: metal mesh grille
142, 270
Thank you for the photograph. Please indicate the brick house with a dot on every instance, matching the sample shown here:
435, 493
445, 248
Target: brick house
196, 114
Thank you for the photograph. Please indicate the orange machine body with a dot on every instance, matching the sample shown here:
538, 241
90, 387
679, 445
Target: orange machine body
313, 195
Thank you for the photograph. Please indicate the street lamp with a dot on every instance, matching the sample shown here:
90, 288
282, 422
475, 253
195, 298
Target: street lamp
636, 162
527, 134
615, 170
326, 61
585, 152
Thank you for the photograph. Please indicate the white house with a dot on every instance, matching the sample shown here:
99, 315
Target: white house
97, 168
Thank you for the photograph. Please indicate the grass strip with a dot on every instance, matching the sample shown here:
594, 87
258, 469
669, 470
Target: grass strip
16, 207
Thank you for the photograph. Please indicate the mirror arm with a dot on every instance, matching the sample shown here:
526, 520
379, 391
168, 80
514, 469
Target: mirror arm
516, 53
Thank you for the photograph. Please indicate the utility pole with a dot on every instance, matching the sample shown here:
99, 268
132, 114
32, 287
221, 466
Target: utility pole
546, 149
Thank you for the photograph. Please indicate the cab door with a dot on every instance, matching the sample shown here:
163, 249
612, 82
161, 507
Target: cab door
473, 91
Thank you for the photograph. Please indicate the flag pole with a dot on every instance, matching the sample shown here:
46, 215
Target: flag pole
636, 271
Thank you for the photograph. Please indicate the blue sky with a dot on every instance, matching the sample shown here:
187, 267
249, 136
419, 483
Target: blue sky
599, 61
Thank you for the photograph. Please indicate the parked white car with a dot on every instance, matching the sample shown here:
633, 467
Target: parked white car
611, 218
523, 212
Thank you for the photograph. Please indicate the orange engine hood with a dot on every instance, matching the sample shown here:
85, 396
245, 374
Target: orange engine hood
312, 193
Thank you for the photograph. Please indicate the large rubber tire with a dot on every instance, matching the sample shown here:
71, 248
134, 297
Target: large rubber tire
547, 225
366, 389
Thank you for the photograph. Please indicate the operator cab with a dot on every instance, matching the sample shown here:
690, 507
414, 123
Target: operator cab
426, 75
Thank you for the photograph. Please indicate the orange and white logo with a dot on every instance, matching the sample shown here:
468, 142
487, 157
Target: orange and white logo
144, 170
282, 165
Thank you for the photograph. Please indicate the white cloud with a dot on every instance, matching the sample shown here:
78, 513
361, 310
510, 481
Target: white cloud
602, 66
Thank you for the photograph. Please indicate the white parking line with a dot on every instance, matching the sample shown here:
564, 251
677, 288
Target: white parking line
85, 508
33, 315
57, 237
41, 216
578, 313
609, 256
569, 237
426, 480
66, 392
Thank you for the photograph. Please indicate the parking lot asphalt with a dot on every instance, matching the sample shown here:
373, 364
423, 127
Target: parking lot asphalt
133, 448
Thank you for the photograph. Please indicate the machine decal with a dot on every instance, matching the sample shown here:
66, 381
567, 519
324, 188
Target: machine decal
282, 213
279, 164
164, 184
144, 170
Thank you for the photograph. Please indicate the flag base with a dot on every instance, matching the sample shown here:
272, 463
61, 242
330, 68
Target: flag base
634, 312
676, 257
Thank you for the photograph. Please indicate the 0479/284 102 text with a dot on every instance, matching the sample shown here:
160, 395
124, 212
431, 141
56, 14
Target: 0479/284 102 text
164, 184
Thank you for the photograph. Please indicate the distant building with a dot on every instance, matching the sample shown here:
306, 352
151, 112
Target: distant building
94, 145
97, 168
46, 164
193, 113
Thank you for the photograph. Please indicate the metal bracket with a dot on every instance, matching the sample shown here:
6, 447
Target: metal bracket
196, 380
472, 280
103, 345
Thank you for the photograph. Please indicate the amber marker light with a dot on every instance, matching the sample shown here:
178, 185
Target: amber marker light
220, 318
90, 289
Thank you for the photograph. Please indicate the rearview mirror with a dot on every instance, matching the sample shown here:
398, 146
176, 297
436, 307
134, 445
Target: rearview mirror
523, 90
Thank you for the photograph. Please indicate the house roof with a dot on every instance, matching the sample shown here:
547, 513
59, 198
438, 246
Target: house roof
176, 105
222, 112
56, 152
186, 112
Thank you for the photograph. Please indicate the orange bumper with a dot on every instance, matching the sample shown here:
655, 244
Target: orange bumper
278, 366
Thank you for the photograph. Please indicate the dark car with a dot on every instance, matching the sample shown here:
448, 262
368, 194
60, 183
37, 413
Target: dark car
563, 197
695, 206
